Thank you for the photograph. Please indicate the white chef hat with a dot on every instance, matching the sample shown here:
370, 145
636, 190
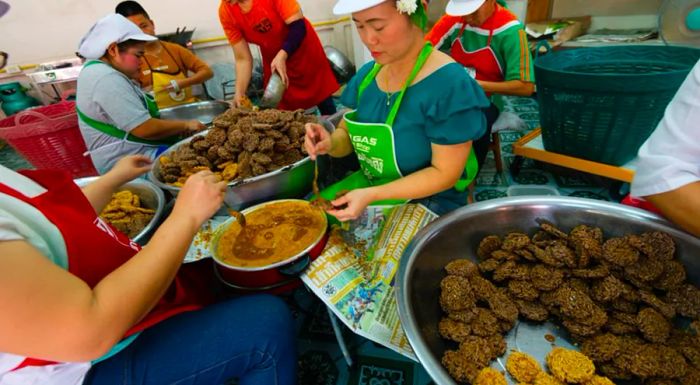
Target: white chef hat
344, 7
463, 7
110, 29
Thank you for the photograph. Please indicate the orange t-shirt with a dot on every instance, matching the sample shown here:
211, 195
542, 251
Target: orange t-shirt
171, 59
285, 8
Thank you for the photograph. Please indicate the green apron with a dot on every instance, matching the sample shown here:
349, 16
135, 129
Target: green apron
375, 146
114, 132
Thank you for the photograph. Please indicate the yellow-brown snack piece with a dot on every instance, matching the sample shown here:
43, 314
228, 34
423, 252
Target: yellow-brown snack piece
546, 379
490, 376
570, 365
523, 367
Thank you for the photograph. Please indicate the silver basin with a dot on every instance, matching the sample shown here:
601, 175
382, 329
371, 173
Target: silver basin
151, 198
274, 91
342, 67
204, 111
291, 181
457, 235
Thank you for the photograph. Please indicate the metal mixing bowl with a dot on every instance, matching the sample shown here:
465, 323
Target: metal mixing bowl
342, 67
204, 111
457, 235
291, 181
274, 91
151, 198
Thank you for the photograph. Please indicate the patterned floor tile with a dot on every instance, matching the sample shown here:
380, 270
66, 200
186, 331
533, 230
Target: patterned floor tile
531, 177
11, 159
487, 194
379, 371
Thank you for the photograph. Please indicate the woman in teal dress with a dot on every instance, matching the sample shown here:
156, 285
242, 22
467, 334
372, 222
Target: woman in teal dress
415, 114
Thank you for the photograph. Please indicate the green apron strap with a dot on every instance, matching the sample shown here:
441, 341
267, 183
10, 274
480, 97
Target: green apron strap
472, 168
114, 132
367, 81
422, 58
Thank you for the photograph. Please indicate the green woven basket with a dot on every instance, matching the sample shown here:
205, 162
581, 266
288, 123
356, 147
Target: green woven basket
601, 104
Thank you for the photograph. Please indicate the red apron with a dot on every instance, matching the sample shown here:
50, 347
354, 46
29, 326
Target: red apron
483, 60
95, 248
311, 79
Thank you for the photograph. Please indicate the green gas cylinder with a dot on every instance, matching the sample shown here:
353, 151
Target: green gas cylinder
14, 99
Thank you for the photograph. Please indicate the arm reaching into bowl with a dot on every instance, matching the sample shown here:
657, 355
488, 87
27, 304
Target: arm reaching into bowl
100, 191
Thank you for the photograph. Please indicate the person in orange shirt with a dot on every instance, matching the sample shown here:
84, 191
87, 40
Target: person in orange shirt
289, 46
165, 66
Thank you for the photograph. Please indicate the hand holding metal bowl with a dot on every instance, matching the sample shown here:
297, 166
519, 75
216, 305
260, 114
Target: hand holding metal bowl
274, 91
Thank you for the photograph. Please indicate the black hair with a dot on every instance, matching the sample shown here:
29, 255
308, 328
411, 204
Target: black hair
131, 8
125, 45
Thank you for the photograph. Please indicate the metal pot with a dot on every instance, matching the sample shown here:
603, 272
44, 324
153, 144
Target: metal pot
457, 235
274, 91
291, 181
204, 111
342, 67
151, 198
271, 276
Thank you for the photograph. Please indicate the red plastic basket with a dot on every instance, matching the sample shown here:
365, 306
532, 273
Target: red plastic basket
49, 138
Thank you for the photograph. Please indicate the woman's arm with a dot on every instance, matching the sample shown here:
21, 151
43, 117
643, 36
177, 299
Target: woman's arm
51, 314
296, 34
681, 206
99, 192
511, 87
160, 129
200, 70
244, 69
447, 166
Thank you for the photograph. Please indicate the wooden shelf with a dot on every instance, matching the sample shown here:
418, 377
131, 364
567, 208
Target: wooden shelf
531, 146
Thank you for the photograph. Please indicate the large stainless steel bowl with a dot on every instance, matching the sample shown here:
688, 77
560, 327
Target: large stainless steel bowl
342, 67
291, 181
204, 111
274, 91
151, 197
457, 235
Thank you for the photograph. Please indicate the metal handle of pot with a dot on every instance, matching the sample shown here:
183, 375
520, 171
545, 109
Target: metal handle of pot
297, 267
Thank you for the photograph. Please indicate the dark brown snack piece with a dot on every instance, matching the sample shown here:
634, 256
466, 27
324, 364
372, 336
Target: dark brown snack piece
673, 276
462, 267
488, 245
454, 330
618, 252
460, 367
686, 300
654, 326
546, 278
533, 311
514, 241
456, 294
666, 309
602, 348
607, 289
522, 290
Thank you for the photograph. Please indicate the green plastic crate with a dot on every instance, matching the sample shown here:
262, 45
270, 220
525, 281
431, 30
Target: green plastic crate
601, 104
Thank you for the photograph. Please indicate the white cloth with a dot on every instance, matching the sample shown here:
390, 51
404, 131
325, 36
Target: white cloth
670, 158
21, 221
110, 29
